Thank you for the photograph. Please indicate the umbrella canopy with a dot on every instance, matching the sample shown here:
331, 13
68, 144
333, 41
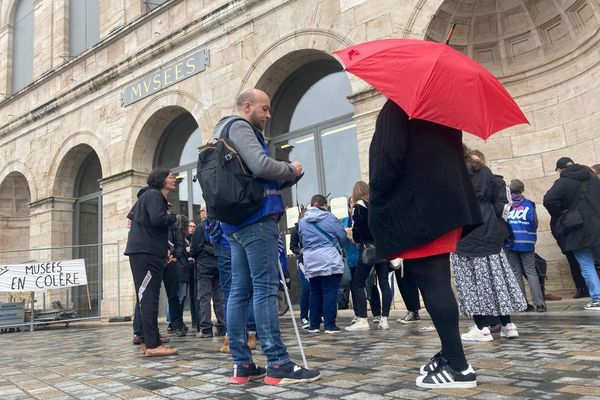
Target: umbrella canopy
434, 82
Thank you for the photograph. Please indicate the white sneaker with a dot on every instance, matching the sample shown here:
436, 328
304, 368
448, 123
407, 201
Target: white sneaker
509, 331
354, 320
376, 319
383, 323
362, 324
476, 335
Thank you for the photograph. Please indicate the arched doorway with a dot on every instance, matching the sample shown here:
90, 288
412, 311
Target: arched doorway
14, 216
313, 123
77, 178
87, 234
178, 150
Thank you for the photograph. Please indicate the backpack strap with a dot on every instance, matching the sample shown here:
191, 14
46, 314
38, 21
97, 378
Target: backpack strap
228, 126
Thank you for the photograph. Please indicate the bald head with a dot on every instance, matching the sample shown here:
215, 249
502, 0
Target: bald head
254, 105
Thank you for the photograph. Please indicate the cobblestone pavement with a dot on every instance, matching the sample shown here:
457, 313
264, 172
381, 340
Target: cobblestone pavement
556, 356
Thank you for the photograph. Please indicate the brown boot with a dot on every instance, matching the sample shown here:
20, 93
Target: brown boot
161, 350
225, 347
252, 341
142, 349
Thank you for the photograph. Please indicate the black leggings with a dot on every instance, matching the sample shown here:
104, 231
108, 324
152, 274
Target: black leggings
358, 283
432, 275
489, 320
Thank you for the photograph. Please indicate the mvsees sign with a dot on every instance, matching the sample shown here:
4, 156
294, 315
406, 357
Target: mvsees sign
42, 276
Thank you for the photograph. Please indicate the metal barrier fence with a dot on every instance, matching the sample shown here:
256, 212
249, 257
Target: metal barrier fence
28, 310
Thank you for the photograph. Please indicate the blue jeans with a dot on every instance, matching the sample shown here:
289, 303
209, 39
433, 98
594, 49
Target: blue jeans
323, 300
254, 256
304, 294
585, 258
224, 256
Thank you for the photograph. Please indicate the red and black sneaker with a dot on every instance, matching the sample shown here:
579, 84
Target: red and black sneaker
289, 374
245, 373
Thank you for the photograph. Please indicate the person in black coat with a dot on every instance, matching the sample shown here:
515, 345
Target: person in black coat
577, 191
296, 248
147, 248
175, 273
420, 195
208, 284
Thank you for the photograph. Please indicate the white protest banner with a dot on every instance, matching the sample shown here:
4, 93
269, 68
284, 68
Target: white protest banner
36, 276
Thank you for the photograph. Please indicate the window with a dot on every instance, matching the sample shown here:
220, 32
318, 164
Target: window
84, 25
152, 4
323, 138
22, 62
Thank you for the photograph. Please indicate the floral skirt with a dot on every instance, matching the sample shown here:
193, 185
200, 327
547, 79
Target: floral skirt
486, 285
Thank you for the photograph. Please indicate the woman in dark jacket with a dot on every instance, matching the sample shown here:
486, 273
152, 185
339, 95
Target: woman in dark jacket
361, 235
485, 283
147, 248
421, 200
296, 248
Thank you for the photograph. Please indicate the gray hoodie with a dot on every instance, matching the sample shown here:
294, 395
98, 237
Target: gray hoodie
245, 142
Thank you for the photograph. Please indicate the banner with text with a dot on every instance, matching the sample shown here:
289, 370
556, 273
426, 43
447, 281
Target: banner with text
37, 276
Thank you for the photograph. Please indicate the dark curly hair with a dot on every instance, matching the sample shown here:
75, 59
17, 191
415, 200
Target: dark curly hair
157, 177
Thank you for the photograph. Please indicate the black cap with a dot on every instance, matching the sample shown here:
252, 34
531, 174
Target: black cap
516, 186
563, 162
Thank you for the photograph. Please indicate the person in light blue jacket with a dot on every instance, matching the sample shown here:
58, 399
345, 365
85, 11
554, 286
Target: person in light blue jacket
323, 238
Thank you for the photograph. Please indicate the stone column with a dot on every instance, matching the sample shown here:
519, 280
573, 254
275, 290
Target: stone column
112, 16
118, 196
60, 38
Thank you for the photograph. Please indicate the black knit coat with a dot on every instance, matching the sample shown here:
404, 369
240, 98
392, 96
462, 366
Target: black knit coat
420, 188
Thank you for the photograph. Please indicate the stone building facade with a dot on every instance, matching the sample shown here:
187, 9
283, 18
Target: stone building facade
74, 149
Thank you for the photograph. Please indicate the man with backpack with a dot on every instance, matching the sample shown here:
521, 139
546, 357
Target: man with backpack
573, 205
253, 240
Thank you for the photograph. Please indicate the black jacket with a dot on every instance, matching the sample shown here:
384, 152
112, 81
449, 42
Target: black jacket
202, 250
360, 224
420, 188
177, 246
296, 243
150, 221
488, 238
561, 196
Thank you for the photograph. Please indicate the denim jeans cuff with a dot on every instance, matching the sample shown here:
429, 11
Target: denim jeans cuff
280, 361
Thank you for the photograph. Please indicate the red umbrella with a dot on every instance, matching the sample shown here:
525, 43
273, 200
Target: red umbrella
434, 82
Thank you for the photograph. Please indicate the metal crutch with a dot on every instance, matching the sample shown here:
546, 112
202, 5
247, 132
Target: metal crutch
287, 297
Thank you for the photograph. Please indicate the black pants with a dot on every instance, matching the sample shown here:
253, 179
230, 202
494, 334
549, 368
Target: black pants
575, 271
358, 287
408, 290
208, 286
432, 275
172, 289
374, 299
147, 273
489, 320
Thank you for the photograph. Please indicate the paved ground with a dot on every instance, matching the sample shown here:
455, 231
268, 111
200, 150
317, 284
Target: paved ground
556, 356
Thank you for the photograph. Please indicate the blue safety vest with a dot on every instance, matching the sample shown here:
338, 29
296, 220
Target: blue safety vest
522, 222
273, 204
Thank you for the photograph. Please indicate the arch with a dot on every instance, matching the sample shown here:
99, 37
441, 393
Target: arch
17, 166
15, 196
68, 159
291, 52
8, 12
150, 123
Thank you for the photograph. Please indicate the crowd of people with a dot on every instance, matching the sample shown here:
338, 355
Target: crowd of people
432, 206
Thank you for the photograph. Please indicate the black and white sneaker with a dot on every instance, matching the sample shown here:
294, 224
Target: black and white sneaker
289, 374
592, 305
335, 329
411, 316
431, 365
444, 376
305, 323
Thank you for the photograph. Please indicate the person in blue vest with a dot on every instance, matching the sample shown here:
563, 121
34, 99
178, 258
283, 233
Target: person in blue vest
254, 252
520, 248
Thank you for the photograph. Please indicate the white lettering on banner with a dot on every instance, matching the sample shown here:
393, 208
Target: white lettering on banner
36, 276
519, 214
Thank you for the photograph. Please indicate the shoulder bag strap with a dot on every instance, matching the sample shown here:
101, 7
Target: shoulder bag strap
327, 236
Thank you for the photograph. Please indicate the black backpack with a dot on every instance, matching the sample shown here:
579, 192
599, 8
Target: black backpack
231, 193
